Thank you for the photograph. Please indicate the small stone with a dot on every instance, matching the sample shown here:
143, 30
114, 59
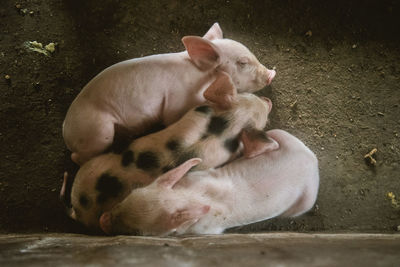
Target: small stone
309, 33
36, 44
354, 46
7, 77
37, 85
293, 105
51, 47
398, 228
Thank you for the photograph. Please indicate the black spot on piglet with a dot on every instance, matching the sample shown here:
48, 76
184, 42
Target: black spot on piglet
231, 144
108, 187
203, 109
84, 201
147, 160
217, 125
127, 158
172, 145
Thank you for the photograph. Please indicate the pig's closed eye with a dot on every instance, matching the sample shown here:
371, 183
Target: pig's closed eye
243, 62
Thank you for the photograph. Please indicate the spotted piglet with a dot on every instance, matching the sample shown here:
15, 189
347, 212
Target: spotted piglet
277, 177
210, 132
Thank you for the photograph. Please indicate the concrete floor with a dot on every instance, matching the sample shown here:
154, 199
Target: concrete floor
271, 249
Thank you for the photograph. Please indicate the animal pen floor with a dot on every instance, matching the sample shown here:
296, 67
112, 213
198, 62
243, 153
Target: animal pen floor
337, 88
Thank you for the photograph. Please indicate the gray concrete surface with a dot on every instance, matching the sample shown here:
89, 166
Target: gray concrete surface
271, 249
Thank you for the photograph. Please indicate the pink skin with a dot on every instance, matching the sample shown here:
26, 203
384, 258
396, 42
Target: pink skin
135, 94
241, 111
279, 177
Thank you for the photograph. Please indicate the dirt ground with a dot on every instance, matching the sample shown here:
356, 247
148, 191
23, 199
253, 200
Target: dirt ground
337, 89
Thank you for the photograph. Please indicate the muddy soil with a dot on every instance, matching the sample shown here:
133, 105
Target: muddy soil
337, 89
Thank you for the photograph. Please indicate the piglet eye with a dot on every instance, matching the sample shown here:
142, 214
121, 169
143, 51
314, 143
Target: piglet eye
242, 62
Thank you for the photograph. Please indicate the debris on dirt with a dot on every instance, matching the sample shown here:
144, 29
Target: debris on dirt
398, 228
381, 114
393, 199
369, 156
22, 11
8, 79
354, 46
38, 47
51, 47
37, 85
293, 105
308, 33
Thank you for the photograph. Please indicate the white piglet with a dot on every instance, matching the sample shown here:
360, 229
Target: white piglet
277, 177
136, 94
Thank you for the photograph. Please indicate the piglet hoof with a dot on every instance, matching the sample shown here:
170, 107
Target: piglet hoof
105, 222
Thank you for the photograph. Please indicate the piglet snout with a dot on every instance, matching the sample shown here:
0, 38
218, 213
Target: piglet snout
105, 222
271, 75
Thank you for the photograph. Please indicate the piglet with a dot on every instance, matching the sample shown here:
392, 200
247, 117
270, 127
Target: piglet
134, 95
210, 132
278, 176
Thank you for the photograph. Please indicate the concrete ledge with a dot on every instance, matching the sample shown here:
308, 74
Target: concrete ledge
268, 249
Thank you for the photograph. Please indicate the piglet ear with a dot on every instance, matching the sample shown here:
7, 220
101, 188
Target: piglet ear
105, 222
184, 218
66, 198
170, 178
63, 189
214, 32
222, 91
204, 54
256, 142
